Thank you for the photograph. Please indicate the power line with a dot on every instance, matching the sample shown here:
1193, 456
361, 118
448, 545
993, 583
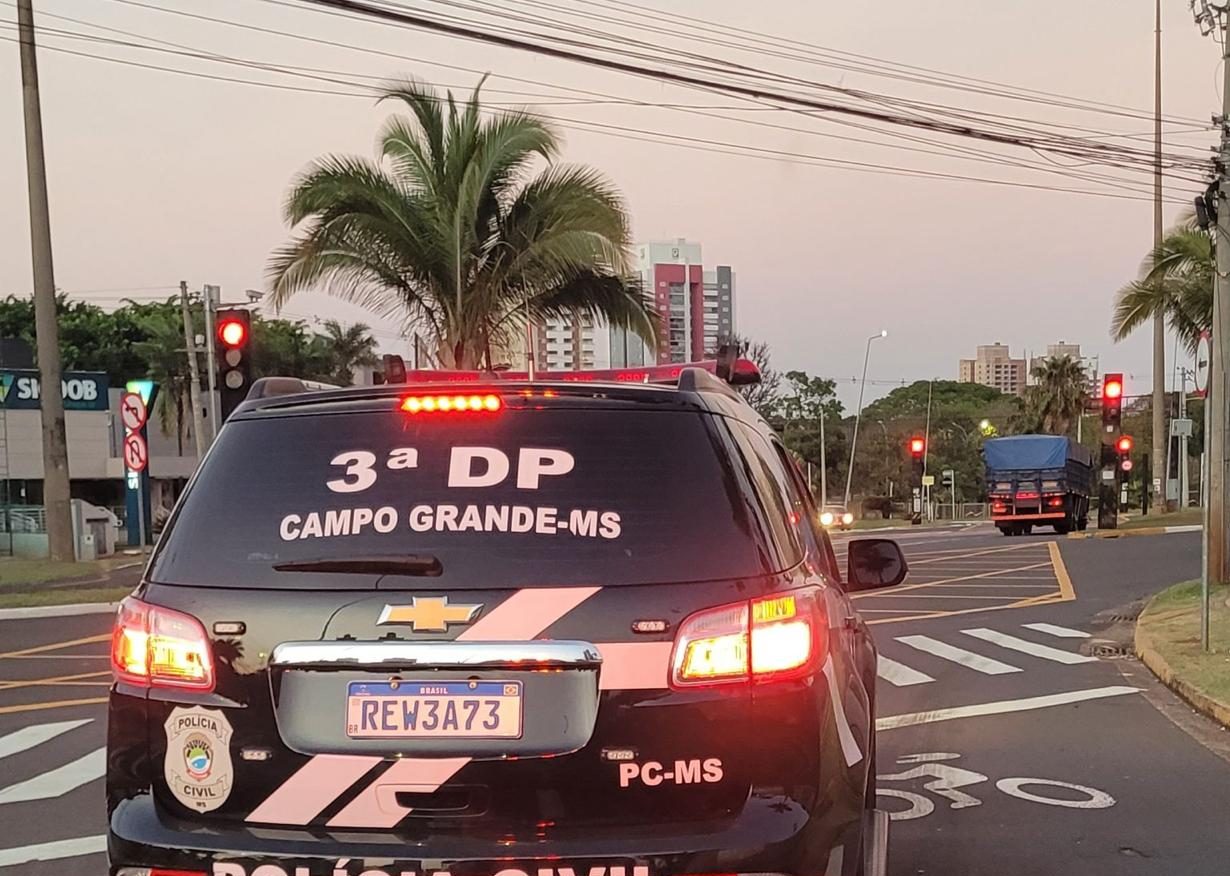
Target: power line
397, 16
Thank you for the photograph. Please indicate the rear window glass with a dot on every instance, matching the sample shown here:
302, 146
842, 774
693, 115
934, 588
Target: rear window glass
518, 499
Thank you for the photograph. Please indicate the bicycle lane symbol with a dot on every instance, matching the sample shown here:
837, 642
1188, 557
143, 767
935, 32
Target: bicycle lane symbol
948, 781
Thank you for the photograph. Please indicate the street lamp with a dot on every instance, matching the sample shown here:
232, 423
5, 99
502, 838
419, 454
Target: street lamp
859, 413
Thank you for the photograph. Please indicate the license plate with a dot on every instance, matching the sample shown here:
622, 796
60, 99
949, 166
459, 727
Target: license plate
454, 709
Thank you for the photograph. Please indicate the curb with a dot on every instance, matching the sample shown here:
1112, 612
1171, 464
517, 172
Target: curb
36, 611
1127, 533
1202, 703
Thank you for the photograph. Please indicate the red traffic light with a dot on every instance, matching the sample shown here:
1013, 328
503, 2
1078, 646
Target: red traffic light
1124, 444
1112, 387
232, 332
917, 446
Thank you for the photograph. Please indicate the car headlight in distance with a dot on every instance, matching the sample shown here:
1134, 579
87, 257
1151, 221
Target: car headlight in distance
847, 518
826, 518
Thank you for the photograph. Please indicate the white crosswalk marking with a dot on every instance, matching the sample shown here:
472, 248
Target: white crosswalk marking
1061, 632
37, 734
968, 659
900, 675
58, 781
1026, 647
72, 848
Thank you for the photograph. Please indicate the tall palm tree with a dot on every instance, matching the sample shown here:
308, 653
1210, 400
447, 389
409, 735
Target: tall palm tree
451, 230
348, 349
1059, 396
1176, 281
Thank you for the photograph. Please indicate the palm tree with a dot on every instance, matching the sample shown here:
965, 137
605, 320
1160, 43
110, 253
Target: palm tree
1058, 397
1176, 281
450, 230
167, 363
348, 349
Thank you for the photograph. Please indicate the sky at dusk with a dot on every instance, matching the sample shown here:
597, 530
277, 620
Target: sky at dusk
157, 176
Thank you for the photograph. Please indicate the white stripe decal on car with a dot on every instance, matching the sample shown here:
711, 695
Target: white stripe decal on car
317, 784
377, 806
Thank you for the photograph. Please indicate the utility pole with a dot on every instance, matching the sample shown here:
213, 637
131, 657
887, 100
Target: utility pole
824, 475
1160, 439
55, 444
194, 386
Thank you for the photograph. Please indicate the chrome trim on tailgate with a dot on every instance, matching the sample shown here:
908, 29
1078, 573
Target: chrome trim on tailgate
438, 655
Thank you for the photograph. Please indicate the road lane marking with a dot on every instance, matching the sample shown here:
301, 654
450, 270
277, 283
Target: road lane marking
73, 848
980, 553
889, 591
898, 674
57, 782
1046, 652
55, 704
55, 679
1061, 632
1066, 589
968, 659
36, 734
1002, 707
56, 646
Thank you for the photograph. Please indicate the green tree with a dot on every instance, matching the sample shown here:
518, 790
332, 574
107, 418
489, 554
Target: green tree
450, 231
288, 348
347, 349
804, 401
765, 396
1058, 397
1176, 282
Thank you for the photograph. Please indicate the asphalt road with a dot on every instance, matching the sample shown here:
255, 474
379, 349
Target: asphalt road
1010, 740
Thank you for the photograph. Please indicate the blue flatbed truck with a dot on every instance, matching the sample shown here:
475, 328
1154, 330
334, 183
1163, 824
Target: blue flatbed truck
1038, 480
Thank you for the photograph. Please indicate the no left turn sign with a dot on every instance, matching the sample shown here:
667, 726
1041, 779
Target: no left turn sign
133, 412
136, 452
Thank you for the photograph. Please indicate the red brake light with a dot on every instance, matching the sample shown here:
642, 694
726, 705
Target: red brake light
769, 638
153, 646
232, 332
416, 404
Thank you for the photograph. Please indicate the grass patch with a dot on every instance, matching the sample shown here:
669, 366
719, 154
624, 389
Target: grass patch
1186, 517
61, 596
1172, 622
20, 572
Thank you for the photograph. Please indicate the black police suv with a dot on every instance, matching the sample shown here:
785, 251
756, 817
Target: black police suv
500, 628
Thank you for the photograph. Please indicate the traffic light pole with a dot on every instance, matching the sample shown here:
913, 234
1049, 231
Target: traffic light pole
194, 388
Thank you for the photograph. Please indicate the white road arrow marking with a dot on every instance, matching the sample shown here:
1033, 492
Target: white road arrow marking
60, 781
73, 848
1012, 643
37, 734
898, 674
968, 659
1061, 632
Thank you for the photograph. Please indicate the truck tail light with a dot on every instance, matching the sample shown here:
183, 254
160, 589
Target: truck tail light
153, 646
765, 639
1055, 501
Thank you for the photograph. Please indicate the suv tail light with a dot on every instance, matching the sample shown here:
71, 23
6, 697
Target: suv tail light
157, 647
765, 639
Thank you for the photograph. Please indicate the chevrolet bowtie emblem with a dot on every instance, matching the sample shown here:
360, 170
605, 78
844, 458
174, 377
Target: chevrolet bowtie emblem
431, 614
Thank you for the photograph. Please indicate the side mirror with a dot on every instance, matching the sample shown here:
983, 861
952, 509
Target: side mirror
874, 563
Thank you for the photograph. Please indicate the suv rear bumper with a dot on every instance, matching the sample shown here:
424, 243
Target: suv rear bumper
773, 834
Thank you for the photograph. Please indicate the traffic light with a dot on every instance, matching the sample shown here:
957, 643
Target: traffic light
1112, 402
1124, 447
918, 447
234, 352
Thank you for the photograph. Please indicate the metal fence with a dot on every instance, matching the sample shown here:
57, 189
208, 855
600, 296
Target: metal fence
23, 518
961, 511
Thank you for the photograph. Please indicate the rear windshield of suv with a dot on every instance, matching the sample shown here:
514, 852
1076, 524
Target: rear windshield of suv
518, 498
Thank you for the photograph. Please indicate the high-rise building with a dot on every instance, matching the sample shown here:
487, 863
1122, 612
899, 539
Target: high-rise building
993, 365
697, 306
1072, 351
